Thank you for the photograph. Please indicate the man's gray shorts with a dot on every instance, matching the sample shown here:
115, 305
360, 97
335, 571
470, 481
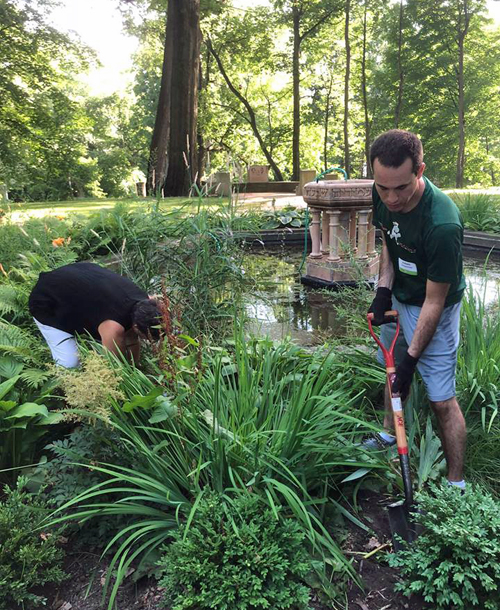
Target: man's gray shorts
438, 362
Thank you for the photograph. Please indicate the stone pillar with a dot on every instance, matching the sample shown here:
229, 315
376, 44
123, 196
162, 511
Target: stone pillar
306, 175
334, 217
140, 189
372, 250
343, 233
325, 234
362, 233
352, 230
315, 233
221, 184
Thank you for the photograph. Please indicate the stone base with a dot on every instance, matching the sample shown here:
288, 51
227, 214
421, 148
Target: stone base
343, 271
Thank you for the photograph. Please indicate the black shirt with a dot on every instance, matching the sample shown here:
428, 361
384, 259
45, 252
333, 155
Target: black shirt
76, 298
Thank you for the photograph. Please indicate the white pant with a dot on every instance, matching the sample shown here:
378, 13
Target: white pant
62, 345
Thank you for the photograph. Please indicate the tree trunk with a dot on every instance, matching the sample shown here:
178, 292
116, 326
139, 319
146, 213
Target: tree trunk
399, 103
347, 154
365, 97
296, 94
158, 152
173, 143
326, 121
462, 29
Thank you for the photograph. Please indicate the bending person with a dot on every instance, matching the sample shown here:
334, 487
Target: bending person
85, 298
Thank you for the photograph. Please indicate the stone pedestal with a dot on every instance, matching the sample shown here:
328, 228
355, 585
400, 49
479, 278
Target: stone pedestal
343, 238
258, 173
221, 184
306, 176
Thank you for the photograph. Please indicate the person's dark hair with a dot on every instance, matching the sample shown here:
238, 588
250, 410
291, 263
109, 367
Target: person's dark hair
147, 314
393, 147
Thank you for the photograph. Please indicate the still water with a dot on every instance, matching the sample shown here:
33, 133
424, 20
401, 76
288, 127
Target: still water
281, 306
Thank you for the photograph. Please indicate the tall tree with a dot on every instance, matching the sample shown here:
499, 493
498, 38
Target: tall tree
306, 18
347, 42
173, 158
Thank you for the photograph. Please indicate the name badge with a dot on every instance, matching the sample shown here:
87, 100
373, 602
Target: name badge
407, 267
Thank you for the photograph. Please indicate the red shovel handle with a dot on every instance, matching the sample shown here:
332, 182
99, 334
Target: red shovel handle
388, 353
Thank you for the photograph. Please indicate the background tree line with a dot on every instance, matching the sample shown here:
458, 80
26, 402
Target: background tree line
292, 84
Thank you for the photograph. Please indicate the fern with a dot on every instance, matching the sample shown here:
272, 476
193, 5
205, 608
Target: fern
8, 299
15, 341
34, 378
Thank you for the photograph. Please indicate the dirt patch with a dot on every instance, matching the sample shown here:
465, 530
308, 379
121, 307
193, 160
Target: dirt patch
378, 578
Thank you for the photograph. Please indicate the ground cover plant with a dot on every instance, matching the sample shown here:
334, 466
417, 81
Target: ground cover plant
30, 557
236, 556
455, 562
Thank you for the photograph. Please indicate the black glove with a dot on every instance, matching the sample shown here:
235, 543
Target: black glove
404, 375
380, 304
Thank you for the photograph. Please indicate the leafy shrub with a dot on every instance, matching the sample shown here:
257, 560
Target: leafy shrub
455, 562
288, 216
480, 211
29, 557
234, 557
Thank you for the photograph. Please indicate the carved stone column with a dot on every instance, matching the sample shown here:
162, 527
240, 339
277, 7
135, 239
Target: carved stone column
371, 237
344, 233
362, 233
352, 230
315, 233
325, 234
334, 217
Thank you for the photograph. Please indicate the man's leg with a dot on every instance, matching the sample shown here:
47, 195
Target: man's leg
453, 434
62, 345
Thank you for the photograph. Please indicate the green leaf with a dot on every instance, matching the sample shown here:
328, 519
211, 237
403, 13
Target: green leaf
143, 402
29, 409
7, 386
7, 405
165, 410
10, 367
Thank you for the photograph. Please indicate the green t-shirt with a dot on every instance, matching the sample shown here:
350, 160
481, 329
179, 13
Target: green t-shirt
424, 244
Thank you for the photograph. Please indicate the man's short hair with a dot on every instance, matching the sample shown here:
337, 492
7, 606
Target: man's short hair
147, 315
393, 147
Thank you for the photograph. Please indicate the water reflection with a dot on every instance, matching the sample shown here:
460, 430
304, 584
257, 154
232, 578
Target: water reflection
281, 306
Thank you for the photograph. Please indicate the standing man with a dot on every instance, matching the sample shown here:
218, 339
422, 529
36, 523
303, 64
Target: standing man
421, 277
85, 298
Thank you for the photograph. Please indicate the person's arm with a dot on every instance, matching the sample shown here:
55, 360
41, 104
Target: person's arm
113, 336
432, 308
133, 346
386, 269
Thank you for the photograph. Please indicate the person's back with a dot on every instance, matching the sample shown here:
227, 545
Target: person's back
77, 298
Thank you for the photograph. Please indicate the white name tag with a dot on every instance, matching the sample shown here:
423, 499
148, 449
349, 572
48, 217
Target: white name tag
397, 405
407, 267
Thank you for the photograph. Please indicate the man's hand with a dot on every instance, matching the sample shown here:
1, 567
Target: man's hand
404, 375
380, 304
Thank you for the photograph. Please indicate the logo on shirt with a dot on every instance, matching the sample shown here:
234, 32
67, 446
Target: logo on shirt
395, 232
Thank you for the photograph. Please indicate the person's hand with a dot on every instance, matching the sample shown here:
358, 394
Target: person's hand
380, 304
404, 375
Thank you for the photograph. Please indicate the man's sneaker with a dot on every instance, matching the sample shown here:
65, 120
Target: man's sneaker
379, 441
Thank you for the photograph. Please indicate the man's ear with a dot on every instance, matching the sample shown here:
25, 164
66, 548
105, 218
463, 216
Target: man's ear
420, 170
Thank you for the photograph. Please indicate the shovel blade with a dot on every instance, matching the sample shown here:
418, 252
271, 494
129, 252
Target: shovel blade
402, 527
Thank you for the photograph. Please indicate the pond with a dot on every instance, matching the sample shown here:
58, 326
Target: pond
281, 306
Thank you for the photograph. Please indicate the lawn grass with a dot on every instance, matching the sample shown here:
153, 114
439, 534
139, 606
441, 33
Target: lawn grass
38, 209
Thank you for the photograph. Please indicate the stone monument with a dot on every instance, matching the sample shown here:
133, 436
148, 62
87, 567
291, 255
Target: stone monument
342, 235
258, 173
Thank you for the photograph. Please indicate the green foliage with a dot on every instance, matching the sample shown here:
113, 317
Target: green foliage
455, 562
288, 216
480, 211
271, 418
236, 555
30, 556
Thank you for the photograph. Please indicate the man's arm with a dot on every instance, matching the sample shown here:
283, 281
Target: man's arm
432, 308
113, 337
133, 345
386, 270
